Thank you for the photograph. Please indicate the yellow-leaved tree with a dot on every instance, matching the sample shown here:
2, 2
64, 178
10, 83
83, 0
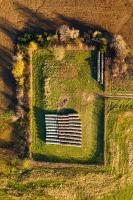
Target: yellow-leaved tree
18, 69
32, 47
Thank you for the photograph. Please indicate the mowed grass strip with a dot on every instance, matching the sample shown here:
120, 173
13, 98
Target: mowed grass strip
68, 84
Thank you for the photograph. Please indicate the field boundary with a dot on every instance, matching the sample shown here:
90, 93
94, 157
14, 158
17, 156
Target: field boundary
63, 165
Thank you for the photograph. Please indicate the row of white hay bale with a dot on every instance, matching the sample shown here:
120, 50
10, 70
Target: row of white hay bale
63, 129
100, 67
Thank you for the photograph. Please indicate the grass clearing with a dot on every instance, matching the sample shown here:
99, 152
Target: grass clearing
53, 83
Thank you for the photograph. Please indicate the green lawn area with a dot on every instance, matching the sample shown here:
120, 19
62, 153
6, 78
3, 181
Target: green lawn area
67, 84
119, 134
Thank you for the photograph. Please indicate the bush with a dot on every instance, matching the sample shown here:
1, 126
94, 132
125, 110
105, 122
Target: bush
25, 39
65, 33
18, 70
41, 40
97, 34
120, 46
26, 164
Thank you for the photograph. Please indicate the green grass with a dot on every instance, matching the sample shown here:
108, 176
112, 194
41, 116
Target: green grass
119, 133
71, 78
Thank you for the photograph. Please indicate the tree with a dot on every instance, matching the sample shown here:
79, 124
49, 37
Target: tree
32, 47
18, 69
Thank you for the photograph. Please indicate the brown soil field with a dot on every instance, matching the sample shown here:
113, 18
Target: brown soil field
18, 16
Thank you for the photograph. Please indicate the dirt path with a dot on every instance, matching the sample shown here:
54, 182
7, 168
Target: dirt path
30, 105
62, 165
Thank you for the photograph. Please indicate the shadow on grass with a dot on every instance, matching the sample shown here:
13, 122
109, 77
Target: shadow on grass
4, 144
52, 158
93, 64
99, 153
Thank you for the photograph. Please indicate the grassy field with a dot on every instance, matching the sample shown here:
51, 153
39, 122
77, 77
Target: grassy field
119, 134
20, 181
52, 183
55, 81
6, 129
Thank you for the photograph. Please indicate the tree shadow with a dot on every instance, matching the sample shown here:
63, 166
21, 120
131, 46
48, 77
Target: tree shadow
35, 22
98, 157
52, 158
82, 26
6, 62
5, 144
5, 57
8, 28
13, 99
6, 76
93, 64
